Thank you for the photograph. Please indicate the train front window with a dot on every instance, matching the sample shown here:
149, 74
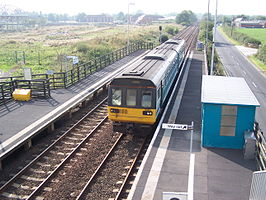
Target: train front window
116, 97
146, 99
131, 97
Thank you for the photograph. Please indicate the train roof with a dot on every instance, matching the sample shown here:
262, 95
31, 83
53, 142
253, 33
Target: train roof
151, 66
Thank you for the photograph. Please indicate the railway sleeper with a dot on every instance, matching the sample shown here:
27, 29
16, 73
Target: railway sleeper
14, 196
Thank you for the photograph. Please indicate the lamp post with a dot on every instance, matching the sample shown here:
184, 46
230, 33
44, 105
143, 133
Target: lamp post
128, 19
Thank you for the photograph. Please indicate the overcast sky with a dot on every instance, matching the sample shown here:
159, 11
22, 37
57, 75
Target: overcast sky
249, 7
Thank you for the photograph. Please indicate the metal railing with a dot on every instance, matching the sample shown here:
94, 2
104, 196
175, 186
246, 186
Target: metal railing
261, 147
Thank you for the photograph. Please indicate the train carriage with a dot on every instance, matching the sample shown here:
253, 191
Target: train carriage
136, 98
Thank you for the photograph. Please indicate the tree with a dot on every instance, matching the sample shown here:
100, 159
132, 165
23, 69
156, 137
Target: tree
81, 17
186, 17
205, 16
244, 17
52, 17
120, 16
226, 20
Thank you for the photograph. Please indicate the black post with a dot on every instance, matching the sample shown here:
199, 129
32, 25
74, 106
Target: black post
64, 77
78, 73
85, 70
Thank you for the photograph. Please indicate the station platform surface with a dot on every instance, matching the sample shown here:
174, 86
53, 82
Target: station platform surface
217, 174
20, 119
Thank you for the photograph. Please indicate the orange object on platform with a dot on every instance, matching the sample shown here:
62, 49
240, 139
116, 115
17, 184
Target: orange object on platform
22, 94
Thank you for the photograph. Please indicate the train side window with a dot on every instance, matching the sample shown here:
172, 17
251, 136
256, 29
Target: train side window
116, 97
146, 99
131, 97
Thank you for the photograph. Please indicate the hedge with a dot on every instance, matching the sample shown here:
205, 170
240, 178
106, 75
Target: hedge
261, 55
241, 37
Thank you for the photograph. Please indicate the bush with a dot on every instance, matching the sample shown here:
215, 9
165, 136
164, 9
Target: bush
241, 37
163, 38
176, 30
252, 42
261, 55
82, 48
170, 30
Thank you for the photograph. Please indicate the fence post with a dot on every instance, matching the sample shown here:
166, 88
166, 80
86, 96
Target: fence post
113, 59
72, 77
78, 73
2, 92
95, 64
64, 77
44, 88
48, 87
105, 60
85, 70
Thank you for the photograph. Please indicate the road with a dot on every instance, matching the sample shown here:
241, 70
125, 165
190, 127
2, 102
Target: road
237, 65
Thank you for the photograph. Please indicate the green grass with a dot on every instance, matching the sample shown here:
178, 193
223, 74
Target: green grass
259, 34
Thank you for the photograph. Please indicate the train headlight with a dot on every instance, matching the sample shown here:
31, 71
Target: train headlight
147, 113
113, 110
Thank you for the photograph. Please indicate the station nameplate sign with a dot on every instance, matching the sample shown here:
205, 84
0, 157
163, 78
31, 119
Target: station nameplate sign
175, 126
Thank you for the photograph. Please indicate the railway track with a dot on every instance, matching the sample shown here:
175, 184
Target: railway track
34, 176
111, 179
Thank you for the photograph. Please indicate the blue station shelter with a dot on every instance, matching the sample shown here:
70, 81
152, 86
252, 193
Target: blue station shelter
228, 110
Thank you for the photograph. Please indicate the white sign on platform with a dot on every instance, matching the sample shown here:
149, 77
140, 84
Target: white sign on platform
27, 73
75, 59
175, 126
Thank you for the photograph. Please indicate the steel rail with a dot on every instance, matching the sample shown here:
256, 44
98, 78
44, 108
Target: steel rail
38, 189
82, 193
130, 170
13, 179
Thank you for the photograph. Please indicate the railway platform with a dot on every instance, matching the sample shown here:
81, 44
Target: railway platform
169, 171
20, 121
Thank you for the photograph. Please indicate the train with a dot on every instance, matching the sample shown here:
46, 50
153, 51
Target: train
137, 97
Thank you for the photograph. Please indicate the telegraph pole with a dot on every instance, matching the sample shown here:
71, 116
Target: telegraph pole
207, 28
213, 41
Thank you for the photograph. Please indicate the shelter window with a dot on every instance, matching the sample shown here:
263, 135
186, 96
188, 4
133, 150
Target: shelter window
146, 99
131, 97
116, 97
228, 120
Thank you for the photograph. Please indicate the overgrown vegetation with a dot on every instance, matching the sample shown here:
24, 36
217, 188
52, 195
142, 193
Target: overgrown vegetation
47, 48
261, 55
171, 30
218, 68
